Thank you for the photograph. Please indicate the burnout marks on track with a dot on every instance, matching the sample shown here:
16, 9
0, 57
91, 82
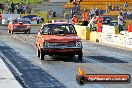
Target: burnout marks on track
104, 59
33, 76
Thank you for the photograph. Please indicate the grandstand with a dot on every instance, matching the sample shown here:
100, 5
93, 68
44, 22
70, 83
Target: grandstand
100, 4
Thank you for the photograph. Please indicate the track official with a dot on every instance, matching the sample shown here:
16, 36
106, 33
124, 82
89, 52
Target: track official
75, 19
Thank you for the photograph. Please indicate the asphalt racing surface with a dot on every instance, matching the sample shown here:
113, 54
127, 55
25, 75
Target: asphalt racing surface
60, 72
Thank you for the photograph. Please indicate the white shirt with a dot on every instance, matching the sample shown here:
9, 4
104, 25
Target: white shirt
92, 11
91, 22
120, 20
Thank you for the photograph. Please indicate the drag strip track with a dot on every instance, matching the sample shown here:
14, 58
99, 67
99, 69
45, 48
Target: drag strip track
97, 59
30, 75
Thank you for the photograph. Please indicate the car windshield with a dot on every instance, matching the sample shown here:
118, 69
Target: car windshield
58, 29
21, 20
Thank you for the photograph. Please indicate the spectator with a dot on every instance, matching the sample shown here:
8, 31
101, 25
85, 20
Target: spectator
129, 14
50, 13
125, 14
12, 7
18, 9
29, 9
125, 4
74, 19
24, 9
92, 13
120, 22
85, 16
8, 8
101, 12
92, 22
21, 9
78, 7
3, 7
97, 12
54, 14
116, 7
72, 12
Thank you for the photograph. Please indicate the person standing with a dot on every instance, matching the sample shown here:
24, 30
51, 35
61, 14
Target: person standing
74, 19
12, 7
9, 8
99, 21
85, 17
97, 12
3, 7
120, 22
92, 22
92, 13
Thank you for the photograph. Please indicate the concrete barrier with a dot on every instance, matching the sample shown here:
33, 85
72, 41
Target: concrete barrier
105, 37
110, 29
94, 36
83, 32
114, 39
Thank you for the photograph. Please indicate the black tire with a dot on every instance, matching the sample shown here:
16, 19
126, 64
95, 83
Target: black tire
42, 55
38, 53
9, 31
80, 56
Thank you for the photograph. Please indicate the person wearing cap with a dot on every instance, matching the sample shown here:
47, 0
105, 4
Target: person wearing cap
75, 19
85, 17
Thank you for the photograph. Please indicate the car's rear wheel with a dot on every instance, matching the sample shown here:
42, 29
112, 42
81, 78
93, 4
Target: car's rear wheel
9, 31
42, 55
38, 53
80, 56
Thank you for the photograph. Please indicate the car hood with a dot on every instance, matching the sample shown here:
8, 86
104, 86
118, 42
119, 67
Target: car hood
58, 38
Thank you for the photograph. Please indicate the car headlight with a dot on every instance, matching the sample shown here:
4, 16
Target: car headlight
46, 44
78, 43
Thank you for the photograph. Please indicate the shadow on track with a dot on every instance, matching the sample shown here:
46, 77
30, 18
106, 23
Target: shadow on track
105, 59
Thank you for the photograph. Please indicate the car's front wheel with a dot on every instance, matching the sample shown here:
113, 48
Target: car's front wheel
42, 55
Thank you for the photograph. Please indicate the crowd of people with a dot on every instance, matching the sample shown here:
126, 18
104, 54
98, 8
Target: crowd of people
94, 19
19, 8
